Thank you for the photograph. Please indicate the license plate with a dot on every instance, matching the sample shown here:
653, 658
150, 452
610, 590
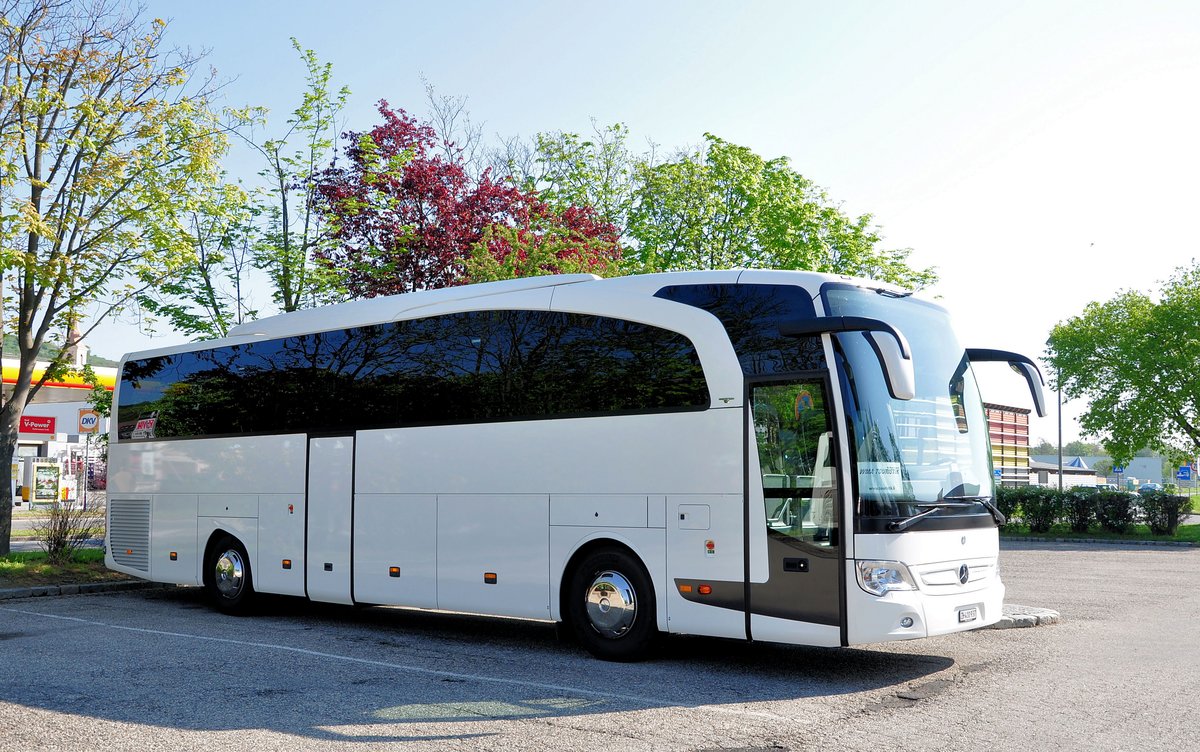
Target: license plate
968, 614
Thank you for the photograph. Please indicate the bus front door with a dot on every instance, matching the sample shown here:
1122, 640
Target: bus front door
330, 488
801, 599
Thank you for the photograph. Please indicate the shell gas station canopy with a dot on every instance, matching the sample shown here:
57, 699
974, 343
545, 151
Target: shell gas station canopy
70, 388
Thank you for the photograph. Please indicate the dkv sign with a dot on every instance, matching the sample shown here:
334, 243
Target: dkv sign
89, 421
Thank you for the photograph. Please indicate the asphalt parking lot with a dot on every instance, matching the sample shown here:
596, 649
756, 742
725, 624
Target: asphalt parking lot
157, 669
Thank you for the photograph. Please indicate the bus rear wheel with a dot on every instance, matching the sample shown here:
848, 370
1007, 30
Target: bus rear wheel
611, 607
227, 576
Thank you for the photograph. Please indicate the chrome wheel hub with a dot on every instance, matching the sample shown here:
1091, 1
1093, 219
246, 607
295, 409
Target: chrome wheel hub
230, 574
611, 604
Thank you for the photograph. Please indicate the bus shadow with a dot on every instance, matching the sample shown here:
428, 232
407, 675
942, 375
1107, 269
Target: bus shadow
377, 675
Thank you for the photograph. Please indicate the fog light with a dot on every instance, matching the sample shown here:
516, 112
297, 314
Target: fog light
906, 622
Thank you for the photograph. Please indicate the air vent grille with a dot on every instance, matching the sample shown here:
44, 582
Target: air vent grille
129, 532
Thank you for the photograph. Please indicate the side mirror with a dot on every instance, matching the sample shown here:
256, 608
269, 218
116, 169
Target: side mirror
890, 346
1019, 363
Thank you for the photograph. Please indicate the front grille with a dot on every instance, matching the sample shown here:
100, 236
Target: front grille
944, 577
129, 532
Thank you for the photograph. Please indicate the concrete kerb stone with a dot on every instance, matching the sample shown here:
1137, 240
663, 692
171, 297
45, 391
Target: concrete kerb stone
1018, 617
75, 589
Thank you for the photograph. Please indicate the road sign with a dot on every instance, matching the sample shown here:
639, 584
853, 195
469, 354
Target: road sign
1184, 473
996, 473
1118, 469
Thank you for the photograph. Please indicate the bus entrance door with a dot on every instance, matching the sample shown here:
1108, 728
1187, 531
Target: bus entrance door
330, 488
800, 601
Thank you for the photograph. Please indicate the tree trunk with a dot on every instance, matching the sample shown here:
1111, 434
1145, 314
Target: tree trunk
10, 423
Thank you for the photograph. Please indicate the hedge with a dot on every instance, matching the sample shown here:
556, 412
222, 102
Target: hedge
1040, 507
1165, 511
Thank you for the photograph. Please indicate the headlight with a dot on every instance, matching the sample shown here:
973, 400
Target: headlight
882, 577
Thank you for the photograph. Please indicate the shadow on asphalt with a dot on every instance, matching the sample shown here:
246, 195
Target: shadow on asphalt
397, 667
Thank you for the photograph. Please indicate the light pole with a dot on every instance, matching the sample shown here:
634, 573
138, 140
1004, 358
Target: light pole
1058, 384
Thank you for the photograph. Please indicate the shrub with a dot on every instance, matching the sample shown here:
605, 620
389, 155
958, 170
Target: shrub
1116, 511
1006, 501
1040, 507
1037, 506
1079, 508
66, 527
1165, 511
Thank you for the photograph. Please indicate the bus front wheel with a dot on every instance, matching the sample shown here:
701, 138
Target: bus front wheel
611, 606
227, 576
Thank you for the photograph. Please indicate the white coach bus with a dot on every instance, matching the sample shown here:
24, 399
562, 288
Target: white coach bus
780, 456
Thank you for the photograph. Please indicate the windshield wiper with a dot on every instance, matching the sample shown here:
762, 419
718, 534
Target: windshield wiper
986, 501
933, 506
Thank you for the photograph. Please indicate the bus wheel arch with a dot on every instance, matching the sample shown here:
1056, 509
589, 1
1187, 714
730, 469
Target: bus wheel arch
608, 602
228, 579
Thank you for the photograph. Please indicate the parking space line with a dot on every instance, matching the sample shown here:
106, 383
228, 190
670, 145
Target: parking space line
649, 702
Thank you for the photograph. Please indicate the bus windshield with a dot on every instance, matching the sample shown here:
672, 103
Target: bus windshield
926, 455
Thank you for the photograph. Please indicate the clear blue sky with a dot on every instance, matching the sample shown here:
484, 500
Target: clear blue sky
1040, 154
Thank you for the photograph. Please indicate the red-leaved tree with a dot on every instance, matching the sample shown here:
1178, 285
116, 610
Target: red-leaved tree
405, 215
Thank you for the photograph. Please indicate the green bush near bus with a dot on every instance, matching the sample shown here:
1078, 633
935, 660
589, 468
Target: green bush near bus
1039, 510
1036, 506
1117, 511
1164, 511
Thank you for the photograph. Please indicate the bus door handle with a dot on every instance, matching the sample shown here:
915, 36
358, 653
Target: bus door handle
795, 565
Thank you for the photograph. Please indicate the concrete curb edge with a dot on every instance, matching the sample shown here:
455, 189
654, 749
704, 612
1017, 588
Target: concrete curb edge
38, 591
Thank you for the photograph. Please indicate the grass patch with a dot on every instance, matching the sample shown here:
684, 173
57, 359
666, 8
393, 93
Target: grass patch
30, 568
1185, 534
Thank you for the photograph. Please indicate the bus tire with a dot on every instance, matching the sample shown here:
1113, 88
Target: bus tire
227, 576
611, 606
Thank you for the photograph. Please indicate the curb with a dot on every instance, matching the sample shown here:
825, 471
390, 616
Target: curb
1018, 617
1101, 541
83, 588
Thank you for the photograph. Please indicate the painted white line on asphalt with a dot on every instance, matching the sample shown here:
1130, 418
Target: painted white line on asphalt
635, 699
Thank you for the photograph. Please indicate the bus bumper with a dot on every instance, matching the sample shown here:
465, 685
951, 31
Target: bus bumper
908, 615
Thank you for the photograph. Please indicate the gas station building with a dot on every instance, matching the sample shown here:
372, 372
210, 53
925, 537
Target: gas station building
58, 436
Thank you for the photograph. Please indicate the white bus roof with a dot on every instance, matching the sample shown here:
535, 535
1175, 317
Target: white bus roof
393, 307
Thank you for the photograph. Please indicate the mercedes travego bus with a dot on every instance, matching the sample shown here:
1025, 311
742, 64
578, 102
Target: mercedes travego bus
781, 456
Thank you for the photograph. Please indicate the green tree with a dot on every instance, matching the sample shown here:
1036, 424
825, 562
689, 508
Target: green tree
209, 296
1080, 448
547, 246
724, 206
567, 169
1044, 447
108, 139
294, 229
1136, 360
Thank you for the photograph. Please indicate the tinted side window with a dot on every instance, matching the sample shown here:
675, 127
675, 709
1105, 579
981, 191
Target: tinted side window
752, 315
467, 367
